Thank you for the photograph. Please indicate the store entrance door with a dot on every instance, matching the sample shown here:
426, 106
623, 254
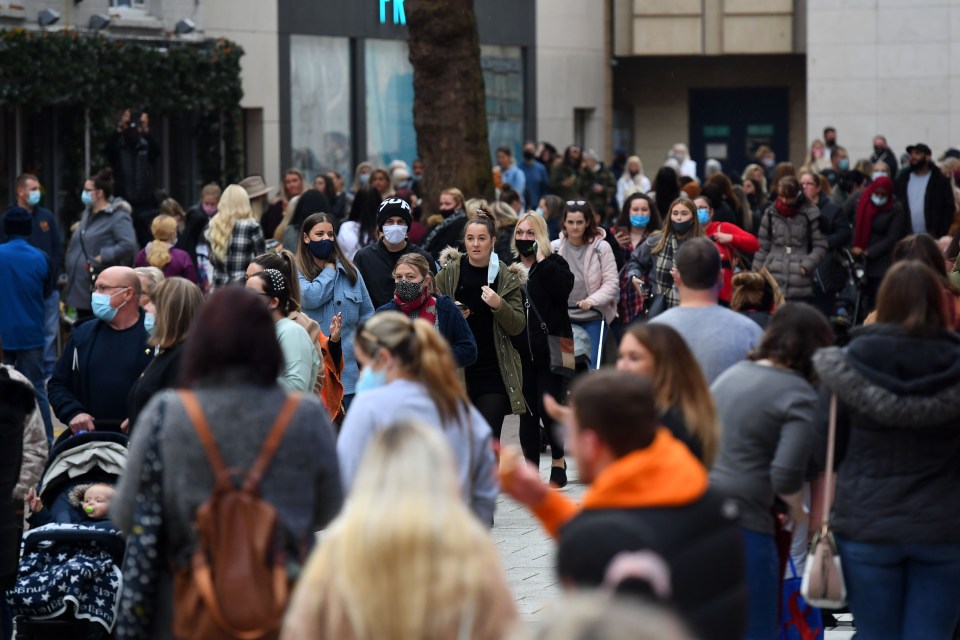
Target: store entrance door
730, 124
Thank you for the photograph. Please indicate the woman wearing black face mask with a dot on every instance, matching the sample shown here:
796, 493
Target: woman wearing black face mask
330, 284
652, 261
415, 297
549, 283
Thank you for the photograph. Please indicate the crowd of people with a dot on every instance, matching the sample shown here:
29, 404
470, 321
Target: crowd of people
361, 357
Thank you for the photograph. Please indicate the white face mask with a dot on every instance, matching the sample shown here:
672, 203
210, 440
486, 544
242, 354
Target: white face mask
395, 233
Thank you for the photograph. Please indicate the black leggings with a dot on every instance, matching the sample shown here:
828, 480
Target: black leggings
494, 407
536, 382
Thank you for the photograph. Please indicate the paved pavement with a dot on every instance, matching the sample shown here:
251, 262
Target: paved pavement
528, 553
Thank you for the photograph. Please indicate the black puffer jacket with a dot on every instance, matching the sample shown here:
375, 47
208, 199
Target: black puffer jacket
700, 542
549, 285
899, 432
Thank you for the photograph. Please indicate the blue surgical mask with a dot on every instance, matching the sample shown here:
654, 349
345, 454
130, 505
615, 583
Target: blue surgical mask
100, 304
493, 268
86, 198
878, 200
878, 174
844, 164
704, 216
370, 379
538, 211
34, 198
639, 221
364, 178
149, 320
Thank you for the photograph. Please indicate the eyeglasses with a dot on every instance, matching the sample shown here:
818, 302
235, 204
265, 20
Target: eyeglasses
101, 288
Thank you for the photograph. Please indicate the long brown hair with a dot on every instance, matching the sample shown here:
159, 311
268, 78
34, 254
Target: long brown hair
678, 382
422, 352
794, 334
911, 296
666, 232
590, 231
305, 263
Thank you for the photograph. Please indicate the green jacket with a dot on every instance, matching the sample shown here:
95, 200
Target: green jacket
560, 174
608, 184
510, 318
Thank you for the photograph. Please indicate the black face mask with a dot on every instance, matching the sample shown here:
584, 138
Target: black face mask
681, 228
528, 155
878, 150
526, 248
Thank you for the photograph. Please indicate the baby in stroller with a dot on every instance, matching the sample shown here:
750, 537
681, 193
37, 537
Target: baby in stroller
69, 578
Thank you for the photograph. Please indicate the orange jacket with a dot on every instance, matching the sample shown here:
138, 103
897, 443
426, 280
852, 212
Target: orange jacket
661, 475
332, 392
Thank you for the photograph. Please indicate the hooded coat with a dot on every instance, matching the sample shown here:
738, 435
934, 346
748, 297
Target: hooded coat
788, 245
510, 319
898, 435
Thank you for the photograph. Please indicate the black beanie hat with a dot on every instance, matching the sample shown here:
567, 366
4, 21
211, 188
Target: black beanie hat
17, 222
394, 207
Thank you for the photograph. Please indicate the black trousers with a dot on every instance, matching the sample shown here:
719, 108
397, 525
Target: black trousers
537, 381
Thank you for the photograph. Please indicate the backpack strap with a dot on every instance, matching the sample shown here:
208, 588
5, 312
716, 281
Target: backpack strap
269, 448
272, 443
202, 427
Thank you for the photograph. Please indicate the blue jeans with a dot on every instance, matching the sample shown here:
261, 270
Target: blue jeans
29, 362
763, 585
593, 329
51, 329
901, 589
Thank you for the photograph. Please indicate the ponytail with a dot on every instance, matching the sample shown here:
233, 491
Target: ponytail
163, 228
421, 352
434, 365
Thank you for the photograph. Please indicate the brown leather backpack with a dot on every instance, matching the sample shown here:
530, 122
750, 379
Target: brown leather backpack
236, 585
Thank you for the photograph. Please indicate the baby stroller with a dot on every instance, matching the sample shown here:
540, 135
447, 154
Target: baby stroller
69, 579
849, 309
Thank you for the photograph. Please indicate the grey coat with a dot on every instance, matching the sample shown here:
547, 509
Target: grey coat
302, 482
108, 234
788, 245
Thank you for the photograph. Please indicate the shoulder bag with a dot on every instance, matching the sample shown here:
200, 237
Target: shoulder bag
822, 584
562, 358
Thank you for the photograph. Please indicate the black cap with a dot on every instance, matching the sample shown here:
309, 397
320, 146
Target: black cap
18, 222
922, 148
394, 207
951, 153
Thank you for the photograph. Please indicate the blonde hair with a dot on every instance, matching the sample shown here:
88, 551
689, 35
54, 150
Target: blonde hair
422, 352
504, 215
164, 230
177, 301
473, 205
457, 194
539, 227
287, 218
234, 205
153, 276
748, 173
211, 189
679, 382
430, 575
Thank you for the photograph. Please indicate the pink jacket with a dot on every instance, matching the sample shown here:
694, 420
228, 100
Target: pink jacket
600, 270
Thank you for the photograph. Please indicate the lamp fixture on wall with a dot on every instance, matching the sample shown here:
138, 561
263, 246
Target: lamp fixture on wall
184, 27
99, 22
48, 17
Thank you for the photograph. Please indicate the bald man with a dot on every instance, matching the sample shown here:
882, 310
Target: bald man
104, 357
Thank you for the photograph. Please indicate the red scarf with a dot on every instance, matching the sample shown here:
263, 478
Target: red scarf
784, 209
866, 210
423, 307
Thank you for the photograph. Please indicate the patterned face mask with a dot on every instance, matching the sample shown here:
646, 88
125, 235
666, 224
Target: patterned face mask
409, 291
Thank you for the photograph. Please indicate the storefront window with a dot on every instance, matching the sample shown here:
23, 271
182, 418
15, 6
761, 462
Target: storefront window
503, 81
389, 91
320, 105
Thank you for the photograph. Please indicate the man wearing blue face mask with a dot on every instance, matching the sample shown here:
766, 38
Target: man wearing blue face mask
104, 357
839, 166
376, 261
46, 237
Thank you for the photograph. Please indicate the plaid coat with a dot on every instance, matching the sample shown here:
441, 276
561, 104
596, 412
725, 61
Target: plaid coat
245, 244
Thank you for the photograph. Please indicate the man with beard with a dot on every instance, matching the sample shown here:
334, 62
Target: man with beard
565, 177
883, 153
829, 140
926, 193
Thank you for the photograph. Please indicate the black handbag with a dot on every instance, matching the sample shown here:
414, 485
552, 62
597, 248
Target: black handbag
562, 357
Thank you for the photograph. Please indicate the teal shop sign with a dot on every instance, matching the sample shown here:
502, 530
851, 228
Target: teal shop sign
399, 15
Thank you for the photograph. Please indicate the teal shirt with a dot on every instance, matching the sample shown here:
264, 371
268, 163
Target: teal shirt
300, 359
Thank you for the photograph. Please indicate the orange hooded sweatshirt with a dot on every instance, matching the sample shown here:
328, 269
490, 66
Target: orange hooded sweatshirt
663, 474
